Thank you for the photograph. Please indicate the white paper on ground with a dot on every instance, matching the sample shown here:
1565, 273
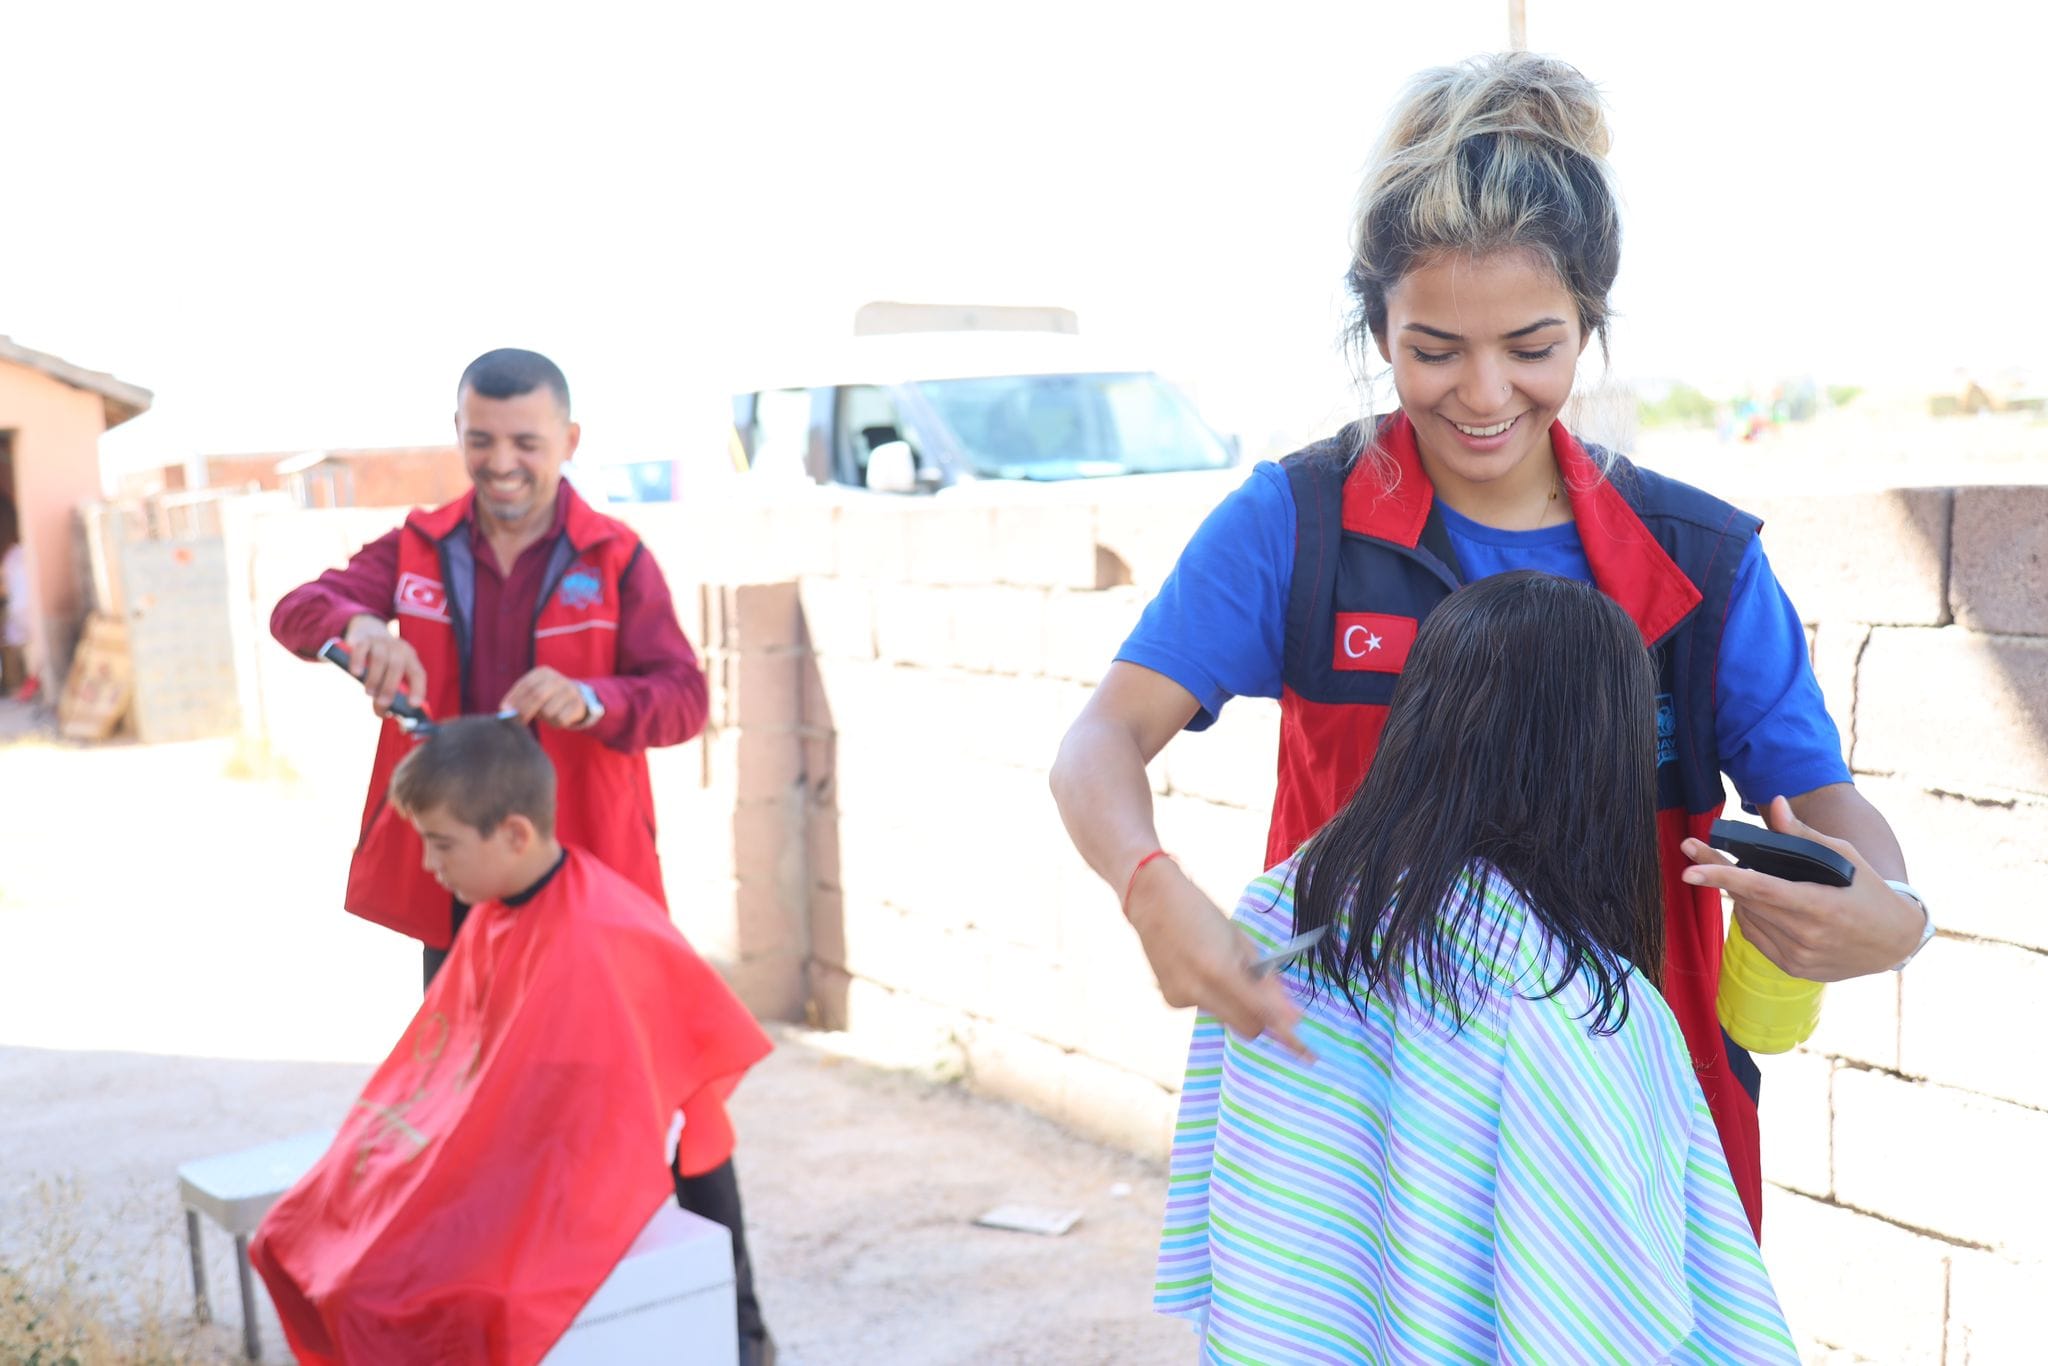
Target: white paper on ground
1031, 1219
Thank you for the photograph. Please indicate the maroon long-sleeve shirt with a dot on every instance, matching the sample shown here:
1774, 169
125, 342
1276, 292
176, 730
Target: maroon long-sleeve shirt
656, 698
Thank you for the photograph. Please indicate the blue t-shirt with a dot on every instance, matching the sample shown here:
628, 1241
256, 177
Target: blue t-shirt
1219, 624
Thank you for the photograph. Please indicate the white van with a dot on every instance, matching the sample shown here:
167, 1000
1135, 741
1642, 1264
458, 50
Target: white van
919, 412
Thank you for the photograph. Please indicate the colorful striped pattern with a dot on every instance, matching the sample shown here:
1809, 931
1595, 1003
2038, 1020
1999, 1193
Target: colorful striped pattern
1519, 1191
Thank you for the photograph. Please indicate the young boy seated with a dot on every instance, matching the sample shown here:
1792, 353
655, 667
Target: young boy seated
516, 1140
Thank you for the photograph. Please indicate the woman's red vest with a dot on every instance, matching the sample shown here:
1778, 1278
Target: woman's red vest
1372, 559
604, 799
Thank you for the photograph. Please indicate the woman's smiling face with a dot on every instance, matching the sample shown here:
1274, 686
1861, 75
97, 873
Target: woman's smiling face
1484, 351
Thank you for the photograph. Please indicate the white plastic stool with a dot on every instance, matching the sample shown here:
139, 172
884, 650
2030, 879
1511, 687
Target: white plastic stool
669, 1299
236, 1190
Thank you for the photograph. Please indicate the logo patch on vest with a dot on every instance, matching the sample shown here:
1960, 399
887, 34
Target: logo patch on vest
418, 596
1372, 642
1667, 730
581, 588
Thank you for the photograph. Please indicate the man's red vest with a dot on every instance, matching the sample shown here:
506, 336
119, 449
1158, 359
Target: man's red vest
604, 799
1371, 561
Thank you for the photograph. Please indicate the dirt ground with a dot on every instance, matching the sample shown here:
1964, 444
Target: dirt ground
175, 981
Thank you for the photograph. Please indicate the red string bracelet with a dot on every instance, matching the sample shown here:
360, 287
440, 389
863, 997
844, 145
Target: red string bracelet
1132, 885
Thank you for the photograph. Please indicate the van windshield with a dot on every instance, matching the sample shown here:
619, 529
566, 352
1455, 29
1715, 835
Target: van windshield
1073, 426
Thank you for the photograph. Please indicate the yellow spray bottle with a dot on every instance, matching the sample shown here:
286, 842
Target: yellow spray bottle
1764, 1008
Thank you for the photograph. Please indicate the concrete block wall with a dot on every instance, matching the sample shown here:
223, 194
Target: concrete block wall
1908, 1217
864, 836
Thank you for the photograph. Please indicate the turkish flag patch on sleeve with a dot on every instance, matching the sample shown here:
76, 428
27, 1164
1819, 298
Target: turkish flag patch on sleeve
1372, 642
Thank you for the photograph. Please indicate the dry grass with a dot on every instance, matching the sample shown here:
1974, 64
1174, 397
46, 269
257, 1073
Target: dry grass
56, 1310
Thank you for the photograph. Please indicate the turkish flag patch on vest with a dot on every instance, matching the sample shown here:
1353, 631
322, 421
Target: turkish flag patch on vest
419, 596
1372, 642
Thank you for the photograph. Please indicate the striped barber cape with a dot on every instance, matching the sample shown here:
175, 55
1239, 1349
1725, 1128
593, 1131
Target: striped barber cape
1517, 1190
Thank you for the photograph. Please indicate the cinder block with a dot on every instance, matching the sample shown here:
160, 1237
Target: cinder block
1221, 848
1957, 1019
851, 688
998, 629
766, 616
1084, 631
1127, 1025
1050, 545
1093, 933
1235, 762
839, 616
1837, 647
768, 688
760, 762
1012, 1065
1148, 534
950, 543
1853, 1282
899, 1025
871, 541
1014, 903
1859, 1021
772, 986
830, 987
1113, 1106
1797, 1122
1994, 1309
770, 919
1942, 1160
1955, 710
909, 953
1004, 719
821, 768
814, 706
828, 927
1999, 567
873, 871
1033, 991
821, 832
1877, 557
914, 625
1982, 864
747, 538
768, 842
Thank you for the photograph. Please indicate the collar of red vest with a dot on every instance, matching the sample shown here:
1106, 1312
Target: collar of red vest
585, 525
1628, 564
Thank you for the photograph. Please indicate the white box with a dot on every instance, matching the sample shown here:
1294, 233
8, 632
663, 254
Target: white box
670, 1299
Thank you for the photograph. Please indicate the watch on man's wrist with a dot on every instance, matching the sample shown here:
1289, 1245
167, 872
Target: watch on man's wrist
1906, 890
594, 709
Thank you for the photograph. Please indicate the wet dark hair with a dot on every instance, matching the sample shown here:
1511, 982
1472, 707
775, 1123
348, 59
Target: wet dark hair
480, 770
1521, 737
509, 372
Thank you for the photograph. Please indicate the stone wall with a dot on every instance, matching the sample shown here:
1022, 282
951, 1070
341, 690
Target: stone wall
863, 836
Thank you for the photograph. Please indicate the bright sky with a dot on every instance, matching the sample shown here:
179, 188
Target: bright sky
297, 223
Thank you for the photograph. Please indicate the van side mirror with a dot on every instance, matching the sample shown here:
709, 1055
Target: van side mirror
892, 468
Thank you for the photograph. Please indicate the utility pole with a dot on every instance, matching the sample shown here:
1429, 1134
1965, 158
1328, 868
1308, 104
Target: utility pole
1518, 26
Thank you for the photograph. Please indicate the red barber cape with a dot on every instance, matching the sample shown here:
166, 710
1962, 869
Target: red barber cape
512, 1146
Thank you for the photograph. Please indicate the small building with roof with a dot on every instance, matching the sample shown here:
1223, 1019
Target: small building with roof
52, 414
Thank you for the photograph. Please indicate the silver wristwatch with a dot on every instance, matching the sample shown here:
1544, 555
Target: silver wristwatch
595, 713
1906, 890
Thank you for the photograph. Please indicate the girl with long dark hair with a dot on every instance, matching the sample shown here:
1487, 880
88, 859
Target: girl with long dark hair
1500, 1152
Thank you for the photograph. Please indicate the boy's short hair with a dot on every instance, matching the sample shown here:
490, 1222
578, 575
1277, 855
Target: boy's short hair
481, 770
